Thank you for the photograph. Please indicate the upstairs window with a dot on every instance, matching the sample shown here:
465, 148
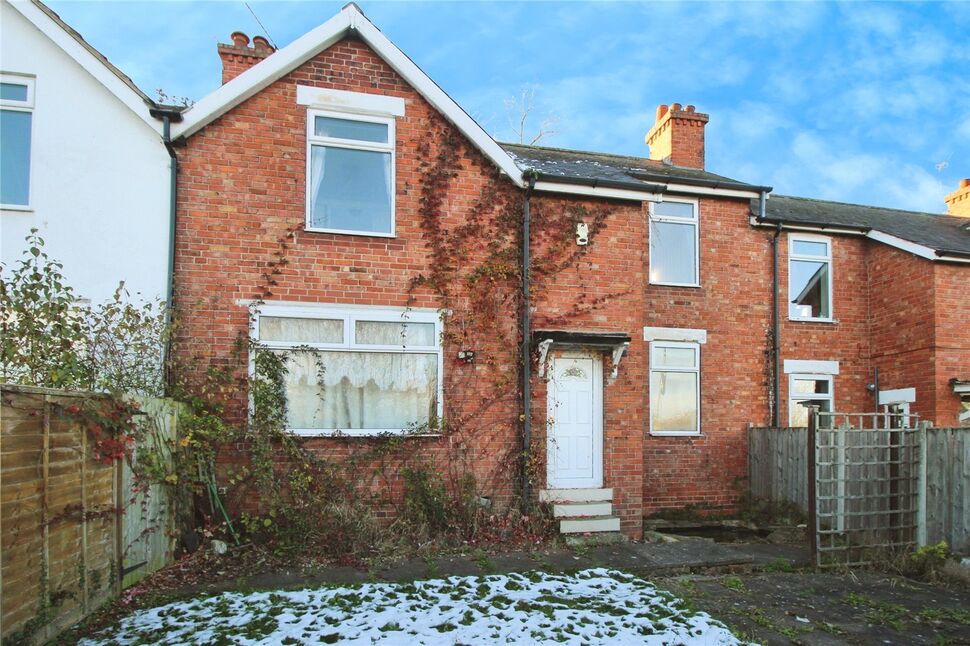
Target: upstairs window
809, 278
350, 173
674, 388
356, 371
673, 244
16, 108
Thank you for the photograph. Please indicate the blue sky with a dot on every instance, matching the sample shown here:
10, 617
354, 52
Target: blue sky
859, 102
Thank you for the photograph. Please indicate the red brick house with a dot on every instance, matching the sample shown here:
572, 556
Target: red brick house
331, 195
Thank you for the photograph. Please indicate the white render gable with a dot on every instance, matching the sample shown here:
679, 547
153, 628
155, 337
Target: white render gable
99, 174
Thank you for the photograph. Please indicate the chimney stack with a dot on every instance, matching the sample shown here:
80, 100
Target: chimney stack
677, 137
958, 202
239, 56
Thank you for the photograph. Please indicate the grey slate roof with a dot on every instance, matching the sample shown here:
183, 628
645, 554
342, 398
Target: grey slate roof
617, 171
947, 235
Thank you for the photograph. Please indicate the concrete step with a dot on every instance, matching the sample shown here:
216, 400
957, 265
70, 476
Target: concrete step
576, 495
589, 525
582, 509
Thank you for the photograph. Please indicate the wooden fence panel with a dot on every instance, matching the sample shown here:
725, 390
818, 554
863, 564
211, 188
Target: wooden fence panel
61, 536
777, 468
777, 471
948, 487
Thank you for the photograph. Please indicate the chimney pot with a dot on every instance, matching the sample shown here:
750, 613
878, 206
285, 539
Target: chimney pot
965, 182
239, 39
661, 111
261, 44
674, 107
691, 108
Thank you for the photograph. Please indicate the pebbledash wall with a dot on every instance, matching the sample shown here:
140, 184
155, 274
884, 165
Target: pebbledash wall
242, 183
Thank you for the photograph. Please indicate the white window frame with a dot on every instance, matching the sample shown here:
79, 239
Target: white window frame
696, 369
351, 144
793, 401
21, 106
792, 256
693, 221
350, 315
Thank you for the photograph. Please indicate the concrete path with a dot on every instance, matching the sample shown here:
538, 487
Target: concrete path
641, 558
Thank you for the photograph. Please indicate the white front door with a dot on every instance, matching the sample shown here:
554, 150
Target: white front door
574, 456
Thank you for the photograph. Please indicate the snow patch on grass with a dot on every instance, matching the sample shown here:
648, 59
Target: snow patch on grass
597, 606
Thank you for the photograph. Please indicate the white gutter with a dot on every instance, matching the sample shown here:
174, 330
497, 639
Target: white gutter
598, 191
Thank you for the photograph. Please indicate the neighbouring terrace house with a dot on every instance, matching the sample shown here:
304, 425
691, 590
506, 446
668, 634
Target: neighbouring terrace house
83, 160
331, 195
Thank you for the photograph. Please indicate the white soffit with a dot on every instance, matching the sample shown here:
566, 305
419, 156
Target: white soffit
897, 396
284, 61
674, 334
799, 366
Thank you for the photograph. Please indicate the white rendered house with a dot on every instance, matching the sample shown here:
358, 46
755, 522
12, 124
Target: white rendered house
83, 160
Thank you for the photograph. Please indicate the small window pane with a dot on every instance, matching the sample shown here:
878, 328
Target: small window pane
674, 209
674, 357
393, 333
13, 92
347, 129
673, 402
360, 390
808, 248
813, 386
808, 289
350, 189
296, 330
798, 416
14, 157
673, 253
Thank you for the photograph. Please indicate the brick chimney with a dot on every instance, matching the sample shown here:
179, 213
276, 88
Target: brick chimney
239, 56
958, 202
677, 137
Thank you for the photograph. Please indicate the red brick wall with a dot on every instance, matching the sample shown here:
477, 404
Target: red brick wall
600, 291
242, 191
901, 293
733, 305
845, 340
952, 304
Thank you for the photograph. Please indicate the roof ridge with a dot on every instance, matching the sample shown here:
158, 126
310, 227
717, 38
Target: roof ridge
864, 206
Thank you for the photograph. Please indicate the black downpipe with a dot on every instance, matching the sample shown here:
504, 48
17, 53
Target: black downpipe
775, 323
173, 184
526, 350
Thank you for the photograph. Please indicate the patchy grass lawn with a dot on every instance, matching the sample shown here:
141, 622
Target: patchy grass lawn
595, 606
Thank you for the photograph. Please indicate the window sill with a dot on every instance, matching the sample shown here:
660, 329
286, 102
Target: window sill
358, 434
345, 232
807, 320
17, 208
690, 285
652, 434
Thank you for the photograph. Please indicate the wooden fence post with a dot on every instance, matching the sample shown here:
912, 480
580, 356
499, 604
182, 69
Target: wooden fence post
921, 495
810, 483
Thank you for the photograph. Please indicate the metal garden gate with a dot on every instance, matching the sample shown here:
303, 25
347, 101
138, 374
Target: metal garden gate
868, 471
